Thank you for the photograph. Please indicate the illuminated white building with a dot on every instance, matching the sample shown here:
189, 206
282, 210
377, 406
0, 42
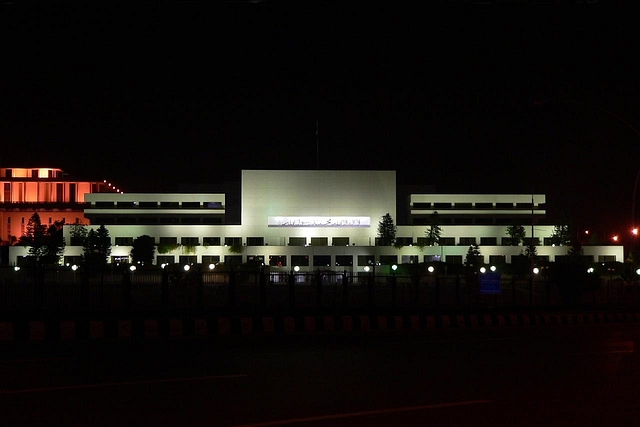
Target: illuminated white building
320, 220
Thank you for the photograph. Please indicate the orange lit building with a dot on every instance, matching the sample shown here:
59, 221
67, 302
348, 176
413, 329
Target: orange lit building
50, 192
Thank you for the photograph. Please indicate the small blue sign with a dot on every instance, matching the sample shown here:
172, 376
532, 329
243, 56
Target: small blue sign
490, 283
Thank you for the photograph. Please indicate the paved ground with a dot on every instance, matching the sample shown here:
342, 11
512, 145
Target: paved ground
546, 375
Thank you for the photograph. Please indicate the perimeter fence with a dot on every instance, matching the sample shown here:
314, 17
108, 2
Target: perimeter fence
120, 289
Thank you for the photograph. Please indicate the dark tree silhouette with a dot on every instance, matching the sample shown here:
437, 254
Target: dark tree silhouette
97, 246
143, 250
386, 230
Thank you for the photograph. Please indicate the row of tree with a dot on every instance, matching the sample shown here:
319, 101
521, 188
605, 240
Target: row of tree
46, 243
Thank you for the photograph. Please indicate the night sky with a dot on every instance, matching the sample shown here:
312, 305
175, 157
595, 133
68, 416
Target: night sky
193, 92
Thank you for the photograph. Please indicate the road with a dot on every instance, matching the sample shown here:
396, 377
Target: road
551, 375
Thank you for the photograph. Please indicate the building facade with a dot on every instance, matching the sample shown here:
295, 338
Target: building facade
318, 219
50, 192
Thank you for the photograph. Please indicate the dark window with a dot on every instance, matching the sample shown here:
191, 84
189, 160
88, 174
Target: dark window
503, 221
527, 241
213, 205
484, 205
388, 259
258, 259
34, 173
447, 241
463, 221
230, 241
504, 205
233, 259
168, 220
300, 260
340, 241
319, 241
404, 241
297, 241
188, 259
463, 206
322, 260
210, 259
124, 241
524, 206
442, 205
148, 204
147, 220
191, 205
422, 241
126, 204
211, 220
277, 260
191, 220
506, 241
8, 173
606, 258
365, 260
255, 241
497, 259
73, 259
165, 259
467, 241
488, 241
104, 204
211, 241
453, 259
484, 221
189, 241
420, 205
168, 240
344, 260
410, 259
169, 204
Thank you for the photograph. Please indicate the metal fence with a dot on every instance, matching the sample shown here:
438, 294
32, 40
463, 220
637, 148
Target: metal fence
115, 290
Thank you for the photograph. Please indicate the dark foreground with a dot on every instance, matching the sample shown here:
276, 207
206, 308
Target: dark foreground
562, 375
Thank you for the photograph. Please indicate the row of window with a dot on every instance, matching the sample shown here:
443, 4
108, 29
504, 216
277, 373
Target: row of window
321, 260
34, 173
163, 205
470, 220
477, 205
152, 220
324, 241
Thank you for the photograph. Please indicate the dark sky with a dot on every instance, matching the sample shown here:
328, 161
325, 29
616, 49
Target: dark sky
193, 92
